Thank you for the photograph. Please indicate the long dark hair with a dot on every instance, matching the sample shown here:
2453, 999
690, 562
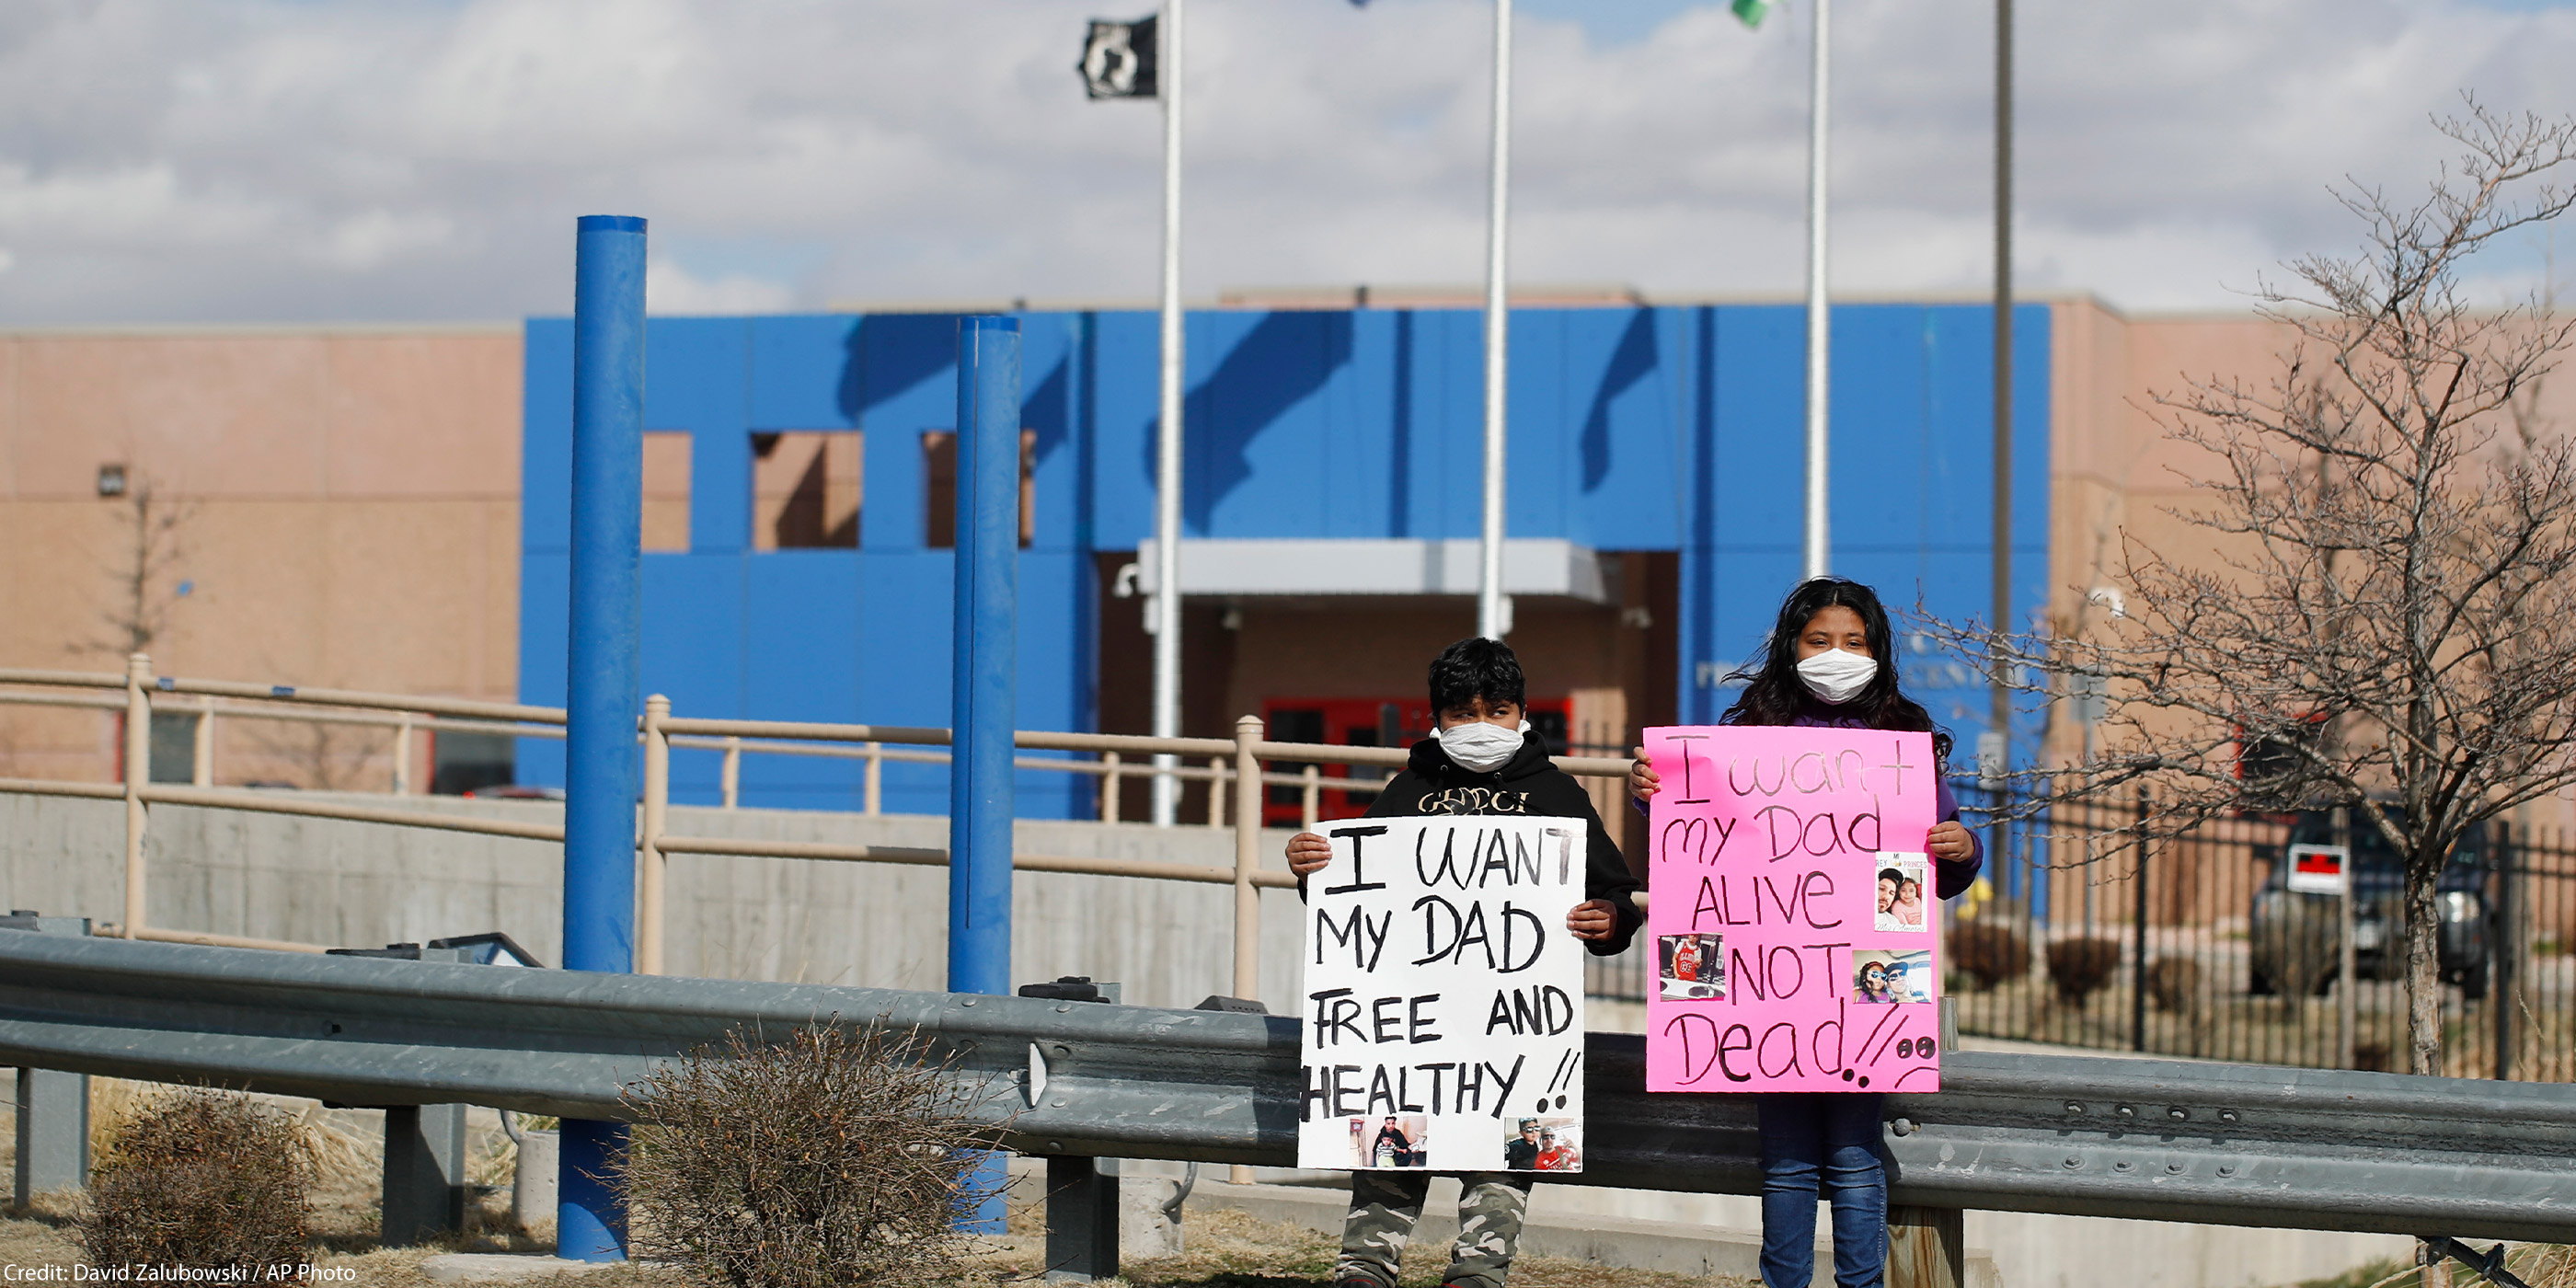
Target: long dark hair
1774, 695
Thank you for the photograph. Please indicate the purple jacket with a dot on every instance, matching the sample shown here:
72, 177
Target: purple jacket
1951, 877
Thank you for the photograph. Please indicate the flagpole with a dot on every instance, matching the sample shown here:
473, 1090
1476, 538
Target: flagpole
1167, 446
1493, 612
1818, 332
1999, 696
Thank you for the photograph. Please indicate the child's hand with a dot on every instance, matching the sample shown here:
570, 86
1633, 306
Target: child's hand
1592, 920
1642, 778
1950, 840
1308, 853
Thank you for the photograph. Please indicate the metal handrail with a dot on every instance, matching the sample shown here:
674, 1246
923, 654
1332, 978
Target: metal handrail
1235, 761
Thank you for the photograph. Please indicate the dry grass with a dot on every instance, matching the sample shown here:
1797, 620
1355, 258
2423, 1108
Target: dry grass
2540, 1265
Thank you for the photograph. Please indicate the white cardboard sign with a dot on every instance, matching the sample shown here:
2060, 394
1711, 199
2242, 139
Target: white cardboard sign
2319, 869
1444, 997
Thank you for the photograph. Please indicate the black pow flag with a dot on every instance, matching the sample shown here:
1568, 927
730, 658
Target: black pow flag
1118, 60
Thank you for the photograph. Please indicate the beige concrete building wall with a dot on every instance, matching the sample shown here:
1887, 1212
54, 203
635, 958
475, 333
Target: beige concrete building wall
328, 507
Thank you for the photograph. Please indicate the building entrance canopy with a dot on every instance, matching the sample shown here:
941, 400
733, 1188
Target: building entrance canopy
1548, 566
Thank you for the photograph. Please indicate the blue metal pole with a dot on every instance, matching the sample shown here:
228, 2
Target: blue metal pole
986, 654
605, 680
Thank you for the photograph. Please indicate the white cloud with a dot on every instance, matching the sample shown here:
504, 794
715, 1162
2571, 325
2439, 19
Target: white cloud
669, 288
420, 159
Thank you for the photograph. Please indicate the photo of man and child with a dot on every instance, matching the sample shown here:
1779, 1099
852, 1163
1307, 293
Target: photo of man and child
1900, 891
1884, 977
1544, 1145
1391, 1142
1691, 966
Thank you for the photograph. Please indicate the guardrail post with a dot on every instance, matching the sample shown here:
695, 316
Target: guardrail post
981, 753
138, 771
733, 773
1216, 791
649, 911
602, 693
1109, 787
874, 798
1926, 1248
424, 1173
402, 753
1081, 1219
53, 1106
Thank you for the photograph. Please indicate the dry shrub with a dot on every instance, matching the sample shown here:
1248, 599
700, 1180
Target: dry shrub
201, 1179
2173, 983
2078, 968
1988, 952
834, 1157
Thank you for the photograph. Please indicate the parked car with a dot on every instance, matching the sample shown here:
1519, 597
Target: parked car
2378, 922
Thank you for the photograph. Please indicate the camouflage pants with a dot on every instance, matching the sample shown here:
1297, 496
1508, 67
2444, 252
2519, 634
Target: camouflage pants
1384, 1206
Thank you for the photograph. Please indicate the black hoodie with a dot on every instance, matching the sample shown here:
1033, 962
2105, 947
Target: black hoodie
1527, 784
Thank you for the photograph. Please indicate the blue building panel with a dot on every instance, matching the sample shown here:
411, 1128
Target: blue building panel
545, 441
1650, 428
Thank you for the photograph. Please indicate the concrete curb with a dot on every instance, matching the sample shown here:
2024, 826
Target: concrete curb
501, 1267
1668, 1246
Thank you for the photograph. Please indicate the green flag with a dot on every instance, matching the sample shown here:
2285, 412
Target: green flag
1750, 12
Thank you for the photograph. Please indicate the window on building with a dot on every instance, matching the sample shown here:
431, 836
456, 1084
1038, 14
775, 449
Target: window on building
174, 746
462, 762
666, 489
939, 485
806, 489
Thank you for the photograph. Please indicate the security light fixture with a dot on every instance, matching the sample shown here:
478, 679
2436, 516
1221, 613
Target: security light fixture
111, 480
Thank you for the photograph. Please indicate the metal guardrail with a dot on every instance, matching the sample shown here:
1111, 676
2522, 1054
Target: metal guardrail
2152, 1139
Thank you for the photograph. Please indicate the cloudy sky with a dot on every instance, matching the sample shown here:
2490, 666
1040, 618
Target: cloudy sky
409, 160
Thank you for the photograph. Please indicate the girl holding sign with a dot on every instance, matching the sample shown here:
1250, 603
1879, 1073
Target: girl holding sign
1831, 662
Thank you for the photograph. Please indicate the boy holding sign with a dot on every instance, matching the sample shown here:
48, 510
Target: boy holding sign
1827, 824
1482, 761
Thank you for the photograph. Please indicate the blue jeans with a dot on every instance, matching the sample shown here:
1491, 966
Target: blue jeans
1832, 1138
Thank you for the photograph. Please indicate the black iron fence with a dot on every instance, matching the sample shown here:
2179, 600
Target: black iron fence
2193, 946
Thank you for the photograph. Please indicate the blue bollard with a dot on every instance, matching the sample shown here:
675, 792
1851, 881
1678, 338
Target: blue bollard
979, 777
605, 689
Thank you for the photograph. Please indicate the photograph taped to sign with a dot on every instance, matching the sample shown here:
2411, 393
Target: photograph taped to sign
2317, 869
1797, 858
1443, 999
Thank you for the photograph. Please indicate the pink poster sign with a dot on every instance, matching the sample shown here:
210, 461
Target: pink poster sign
1792, 924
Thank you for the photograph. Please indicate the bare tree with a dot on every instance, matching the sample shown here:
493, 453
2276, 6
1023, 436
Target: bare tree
149, 549
2377, 591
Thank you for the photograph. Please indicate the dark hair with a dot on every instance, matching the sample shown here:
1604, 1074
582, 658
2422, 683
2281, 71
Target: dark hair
1476, 668
1891, 874
1774, 695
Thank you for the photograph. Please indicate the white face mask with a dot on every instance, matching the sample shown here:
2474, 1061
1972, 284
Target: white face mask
1481, 747
1837, 676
